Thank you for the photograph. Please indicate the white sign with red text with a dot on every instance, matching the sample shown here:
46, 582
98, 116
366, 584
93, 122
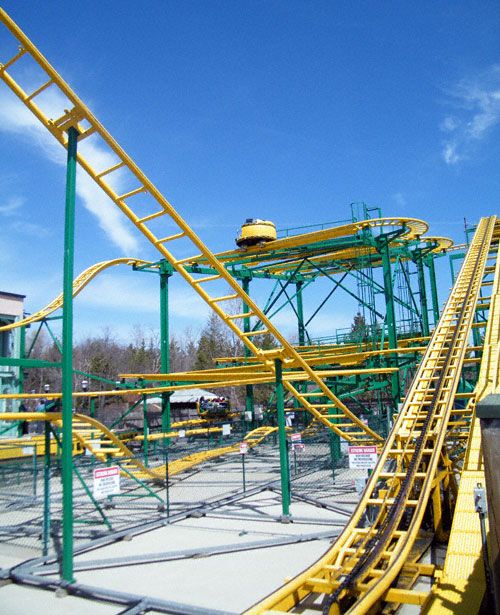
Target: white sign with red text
363, 457
106, 482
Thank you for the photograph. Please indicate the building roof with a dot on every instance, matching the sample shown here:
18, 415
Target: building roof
3, 292
184, 396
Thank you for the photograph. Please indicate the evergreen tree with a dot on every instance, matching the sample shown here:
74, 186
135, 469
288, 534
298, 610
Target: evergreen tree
213, 343
359, 329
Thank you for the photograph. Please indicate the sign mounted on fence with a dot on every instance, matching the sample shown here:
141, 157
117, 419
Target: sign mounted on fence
363, 457
297, 445
106, 482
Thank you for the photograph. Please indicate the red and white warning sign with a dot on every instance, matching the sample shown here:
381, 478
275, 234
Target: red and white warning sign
296, 439
106, 482
243, 448
363, 457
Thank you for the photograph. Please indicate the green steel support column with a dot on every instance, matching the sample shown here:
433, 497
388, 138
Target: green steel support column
165, 273
22, 350
285, 472
67, 360
246, 328
429, 261
302, 342
46, 492
300, 314
145, 428
383, 248
92, 435
334, 454
424, 308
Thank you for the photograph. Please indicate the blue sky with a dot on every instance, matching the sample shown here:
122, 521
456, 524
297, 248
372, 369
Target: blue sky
284, 110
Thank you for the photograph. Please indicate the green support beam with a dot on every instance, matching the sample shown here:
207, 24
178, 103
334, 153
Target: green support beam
165, 273
383, 248
67, 359
249, 398
424, 309
284, 468
27, 363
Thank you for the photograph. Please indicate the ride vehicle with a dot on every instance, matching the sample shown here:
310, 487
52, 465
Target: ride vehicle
214, 407
256, 232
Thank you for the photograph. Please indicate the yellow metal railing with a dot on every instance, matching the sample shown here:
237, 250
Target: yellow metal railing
360, 569
144, 205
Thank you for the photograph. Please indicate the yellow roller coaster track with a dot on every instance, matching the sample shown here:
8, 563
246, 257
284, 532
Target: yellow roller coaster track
95, 437
106, 446
153, 206
461, 586
316, 248
79, 284
180, 465
362, 566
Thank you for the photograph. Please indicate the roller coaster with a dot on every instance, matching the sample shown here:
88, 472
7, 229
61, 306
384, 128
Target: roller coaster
426, 460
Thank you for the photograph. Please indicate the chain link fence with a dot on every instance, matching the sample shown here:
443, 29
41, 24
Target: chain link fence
31, 495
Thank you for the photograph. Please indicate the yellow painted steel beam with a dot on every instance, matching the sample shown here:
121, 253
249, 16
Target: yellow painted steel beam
79, 284
92, 435
249, 376
461, 588
144, 206
364, 562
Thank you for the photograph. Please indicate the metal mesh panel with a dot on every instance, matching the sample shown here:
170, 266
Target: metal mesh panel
31, 494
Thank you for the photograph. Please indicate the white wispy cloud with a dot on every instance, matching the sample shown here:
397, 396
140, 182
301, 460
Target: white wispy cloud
16, 118
476, 112
136, 293
400, 199
30, 229
12, 206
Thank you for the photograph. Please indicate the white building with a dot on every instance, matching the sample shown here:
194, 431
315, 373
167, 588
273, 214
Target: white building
11, 310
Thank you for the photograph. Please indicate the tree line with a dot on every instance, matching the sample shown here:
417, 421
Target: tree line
104, 357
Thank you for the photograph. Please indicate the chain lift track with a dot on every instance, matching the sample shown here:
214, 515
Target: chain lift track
462, 584
361, 567
81, 119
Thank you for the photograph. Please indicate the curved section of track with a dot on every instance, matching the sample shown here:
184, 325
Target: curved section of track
79, 284
361, 567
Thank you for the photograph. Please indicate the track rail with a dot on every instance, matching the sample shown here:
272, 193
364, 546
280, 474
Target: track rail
96, 438
144, 205
362, 566
79, 284
462, 585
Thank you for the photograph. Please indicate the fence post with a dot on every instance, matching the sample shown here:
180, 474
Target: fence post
46, 491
